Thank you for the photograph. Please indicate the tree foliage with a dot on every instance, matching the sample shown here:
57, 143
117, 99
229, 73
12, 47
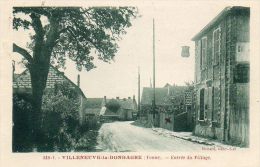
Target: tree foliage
58, 33
73, 32
113, 105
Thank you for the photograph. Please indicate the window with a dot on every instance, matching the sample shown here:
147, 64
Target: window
204, 52
216, 46
201, 111
241, 73
216, 102
199, 53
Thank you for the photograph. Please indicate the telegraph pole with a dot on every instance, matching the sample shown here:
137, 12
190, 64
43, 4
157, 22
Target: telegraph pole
154, 104
139, 110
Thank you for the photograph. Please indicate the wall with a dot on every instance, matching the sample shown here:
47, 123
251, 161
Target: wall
166, 120
238, 113
212, 80
227, 114
180, 122
239, 119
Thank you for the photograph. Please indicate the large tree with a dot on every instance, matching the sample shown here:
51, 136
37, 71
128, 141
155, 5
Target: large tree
58, 33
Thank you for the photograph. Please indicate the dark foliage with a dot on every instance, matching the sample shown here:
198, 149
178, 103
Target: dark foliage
60, 127
113, 105
60, 33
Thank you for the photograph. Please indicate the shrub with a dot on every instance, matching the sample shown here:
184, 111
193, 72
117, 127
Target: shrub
21, 123
60, 120
60, 125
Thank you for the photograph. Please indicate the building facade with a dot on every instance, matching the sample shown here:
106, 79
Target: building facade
222, 77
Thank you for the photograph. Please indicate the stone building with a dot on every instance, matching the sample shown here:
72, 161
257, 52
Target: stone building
22, 84
124, 109
222, 77
172, 107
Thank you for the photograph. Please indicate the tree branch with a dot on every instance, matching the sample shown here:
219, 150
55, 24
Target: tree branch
37, 25
52, 34
23, 52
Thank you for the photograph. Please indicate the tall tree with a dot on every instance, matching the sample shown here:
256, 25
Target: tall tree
67, 32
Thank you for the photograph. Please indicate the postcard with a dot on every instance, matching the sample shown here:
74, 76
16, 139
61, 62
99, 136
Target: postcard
130, 83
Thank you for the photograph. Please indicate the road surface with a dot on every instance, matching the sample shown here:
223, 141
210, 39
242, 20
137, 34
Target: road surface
125, 137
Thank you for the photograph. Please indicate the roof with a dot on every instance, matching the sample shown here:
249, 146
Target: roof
166, 85
160, 96
16, 75
23, 80
163, 96
125, 103
219, 17
103, 110
93, 103
94, 111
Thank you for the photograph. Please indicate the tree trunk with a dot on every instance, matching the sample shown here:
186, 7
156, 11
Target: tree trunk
39, 65
39, 74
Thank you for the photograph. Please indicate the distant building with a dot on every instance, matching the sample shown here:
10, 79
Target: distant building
22, 84
162, 100
119, 109
171, 110
92, 107
222, 77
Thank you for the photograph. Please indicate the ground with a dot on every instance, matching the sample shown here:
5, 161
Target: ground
124, 136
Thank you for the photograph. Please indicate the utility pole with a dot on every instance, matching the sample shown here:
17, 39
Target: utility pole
139, 110
154, 103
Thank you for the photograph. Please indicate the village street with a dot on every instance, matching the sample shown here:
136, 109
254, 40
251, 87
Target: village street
123, 136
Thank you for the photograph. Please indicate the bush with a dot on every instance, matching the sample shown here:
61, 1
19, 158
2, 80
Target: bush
21, 123
60, 125
60, 120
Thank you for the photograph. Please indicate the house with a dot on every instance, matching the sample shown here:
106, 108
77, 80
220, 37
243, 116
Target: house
119, 109
22, 84
222, 77
91, 109
162, 100
171, 111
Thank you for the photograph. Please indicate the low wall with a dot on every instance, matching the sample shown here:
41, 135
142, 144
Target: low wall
209, 132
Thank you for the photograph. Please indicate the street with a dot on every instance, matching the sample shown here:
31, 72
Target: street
123, 136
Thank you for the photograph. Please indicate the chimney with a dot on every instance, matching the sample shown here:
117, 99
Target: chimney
133, 97
78, 81
13, 64
117, 98
105, 99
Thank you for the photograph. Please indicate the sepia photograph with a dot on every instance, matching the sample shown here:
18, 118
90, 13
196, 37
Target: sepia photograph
158, 81
52, 113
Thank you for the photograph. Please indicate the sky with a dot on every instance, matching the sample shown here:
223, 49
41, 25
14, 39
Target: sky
175, 25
